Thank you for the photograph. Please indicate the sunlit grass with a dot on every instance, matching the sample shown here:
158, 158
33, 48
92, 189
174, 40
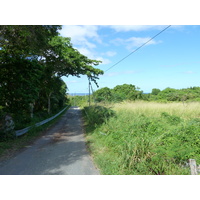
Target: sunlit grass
183, 110
145, 137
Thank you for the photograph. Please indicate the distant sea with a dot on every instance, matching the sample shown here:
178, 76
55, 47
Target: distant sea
78, 94
84, 94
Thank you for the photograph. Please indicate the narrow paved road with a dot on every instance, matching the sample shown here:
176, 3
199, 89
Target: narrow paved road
61, 151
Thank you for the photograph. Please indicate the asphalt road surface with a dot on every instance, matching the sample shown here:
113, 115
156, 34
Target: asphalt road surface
61, 151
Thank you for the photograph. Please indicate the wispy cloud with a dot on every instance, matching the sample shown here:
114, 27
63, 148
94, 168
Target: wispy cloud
85, 51
109, 53
133, 42
104, 60
189, 72
126, 28
138, 41
92, 55
85, 39
80, 34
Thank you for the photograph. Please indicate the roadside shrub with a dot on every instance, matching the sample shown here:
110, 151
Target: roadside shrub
97, 115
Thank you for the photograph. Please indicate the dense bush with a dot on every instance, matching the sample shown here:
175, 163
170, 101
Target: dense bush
97, 115
171, 94
118, 93
129, 92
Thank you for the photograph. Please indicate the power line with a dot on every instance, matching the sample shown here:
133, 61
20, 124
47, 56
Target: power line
138, 48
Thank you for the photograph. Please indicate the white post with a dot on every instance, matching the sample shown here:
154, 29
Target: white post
193, 166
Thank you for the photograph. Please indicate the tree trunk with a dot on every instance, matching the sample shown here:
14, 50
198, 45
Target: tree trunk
49, 102
31, 109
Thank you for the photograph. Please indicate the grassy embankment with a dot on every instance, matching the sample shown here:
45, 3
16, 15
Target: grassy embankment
144, 137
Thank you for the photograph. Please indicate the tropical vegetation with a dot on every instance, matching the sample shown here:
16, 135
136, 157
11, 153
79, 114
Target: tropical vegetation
144, 138
33, 60
129, 132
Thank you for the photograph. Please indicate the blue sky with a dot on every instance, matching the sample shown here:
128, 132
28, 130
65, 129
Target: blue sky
170, 60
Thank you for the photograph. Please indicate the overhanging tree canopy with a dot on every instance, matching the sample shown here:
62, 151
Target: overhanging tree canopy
36, 57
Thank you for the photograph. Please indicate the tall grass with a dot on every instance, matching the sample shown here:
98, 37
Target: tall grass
147, 138
185, 110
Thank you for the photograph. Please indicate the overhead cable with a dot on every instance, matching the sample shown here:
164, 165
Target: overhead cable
137, 48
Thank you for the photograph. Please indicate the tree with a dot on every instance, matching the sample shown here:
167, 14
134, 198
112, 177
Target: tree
155, 91
64, 60
125, 92
26, 41
103, 94
118, 93
19, 85
32, 61
20, 68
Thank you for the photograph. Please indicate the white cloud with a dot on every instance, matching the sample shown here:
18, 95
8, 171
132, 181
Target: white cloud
109, 53
132, 42
92, 55
125, 28
80, 34
83, 39
104, 60
138, 41
86, 52
118, 41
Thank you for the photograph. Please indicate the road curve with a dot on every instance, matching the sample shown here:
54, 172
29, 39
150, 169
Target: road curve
61, 151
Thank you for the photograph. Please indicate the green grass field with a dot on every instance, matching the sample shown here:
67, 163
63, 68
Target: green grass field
144, 137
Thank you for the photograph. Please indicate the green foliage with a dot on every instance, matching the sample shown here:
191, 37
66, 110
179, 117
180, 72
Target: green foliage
23, 121
118, 93
20, 81
125, 92
172, 119
103, 94
80, 101
68, 61
97, 115
155, 91
6, 133
26, 40
170, 94
130, 92
32, 61
132, 143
